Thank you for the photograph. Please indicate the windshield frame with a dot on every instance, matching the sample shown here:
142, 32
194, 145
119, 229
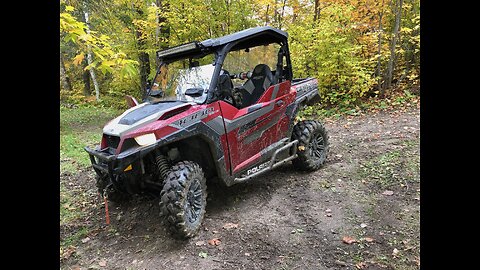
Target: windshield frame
191, 57
220, 53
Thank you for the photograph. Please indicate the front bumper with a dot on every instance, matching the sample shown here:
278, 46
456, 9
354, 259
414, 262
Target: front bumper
104, 163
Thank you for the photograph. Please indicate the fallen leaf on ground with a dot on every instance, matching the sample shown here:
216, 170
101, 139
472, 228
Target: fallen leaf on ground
199, 243
363, 225
301, 148
395, 252
102, 263
68, 252
296, 231
361, 265
388, 193
369, 239
229, 225
203, 254
85, 240
348, 240
214, 242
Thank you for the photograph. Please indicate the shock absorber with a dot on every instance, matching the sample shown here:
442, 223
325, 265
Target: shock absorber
163, 167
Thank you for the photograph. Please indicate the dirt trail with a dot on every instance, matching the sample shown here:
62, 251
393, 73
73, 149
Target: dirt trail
286, 219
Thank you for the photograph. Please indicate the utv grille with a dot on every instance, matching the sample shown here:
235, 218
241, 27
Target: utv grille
112, 141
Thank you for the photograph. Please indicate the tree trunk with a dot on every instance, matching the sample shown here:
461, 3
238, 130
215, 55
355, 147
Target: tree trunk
143, 57
379, 63
162, 31
90, 58
64, 76
266, 15
398, 15
316, 10
282, 14
87, 91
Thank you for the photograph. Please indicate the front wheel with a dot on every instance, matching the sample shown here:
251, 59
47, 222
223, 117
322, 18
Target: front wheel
312, 147
183, 199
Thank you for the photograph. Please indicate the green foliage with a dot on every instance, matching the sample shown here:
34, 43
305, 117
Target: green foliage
327, 49
340, 48
106, 57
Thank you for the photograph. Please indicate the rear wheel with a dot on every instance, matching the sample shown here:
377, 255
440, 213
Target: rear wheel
312, 147
183, 199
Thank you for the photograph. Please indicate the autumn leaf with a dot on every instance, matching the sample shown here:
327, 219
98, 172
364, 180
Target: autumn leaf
77, 60
395, 252
361, 265
228, 226
387, 193
369, 239
199, 243
349, 240
301, 148
214, 242
102, 263
65, 254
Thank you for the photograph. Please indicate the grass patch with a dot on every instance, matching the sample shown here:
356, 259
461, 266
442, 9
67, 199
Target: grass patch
393, 168
69, 210
80, 127
75, 238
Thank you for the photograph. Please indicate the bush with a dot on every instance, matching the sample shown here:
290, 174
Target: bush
327, 49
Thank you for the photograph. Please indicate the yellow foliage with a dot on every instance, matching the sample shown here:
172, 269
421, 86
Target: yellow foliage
77, 60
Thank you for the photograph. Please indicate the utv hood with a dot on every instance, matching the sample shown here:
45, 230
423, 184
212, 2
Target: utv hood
141, 115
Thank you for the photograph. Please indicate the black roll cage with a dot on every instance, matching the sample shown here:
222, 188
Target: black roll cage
249, 38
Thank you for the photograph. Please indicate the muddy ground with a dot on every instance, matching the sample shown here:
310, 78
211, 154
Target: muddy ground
368, 192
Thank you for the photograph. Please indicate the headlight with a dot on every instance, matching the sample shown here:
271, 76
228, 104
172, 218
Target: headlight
146, 139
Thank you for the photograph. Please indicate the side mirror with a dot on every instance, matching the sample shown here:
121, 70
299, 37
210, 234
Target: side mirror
194, 92
157, 93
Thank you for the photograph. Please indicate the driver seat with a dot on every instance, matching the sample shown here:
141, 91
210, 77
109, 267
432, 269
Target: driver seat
261, 79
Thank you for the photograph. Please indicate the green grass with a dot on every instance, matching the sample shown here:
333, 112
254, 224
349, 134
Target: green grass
80, 127
69, 210
394, 167
73, 239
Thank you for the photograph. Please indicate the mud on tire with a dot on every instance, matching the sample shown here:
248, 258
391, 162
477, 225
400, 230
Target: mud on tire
313, 146
183, 199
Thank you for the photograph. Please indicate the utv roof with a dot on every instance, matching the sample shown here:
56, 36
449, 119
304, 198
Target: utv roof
267, 32
247, 38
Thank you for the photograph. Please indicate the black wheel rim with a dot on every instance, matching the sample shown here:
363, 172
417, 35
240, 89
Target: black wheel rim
193, 205
317, 146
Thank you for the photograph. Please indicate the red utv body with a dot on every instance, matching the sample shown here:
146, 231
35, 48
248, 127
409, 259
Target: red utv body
221, 126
